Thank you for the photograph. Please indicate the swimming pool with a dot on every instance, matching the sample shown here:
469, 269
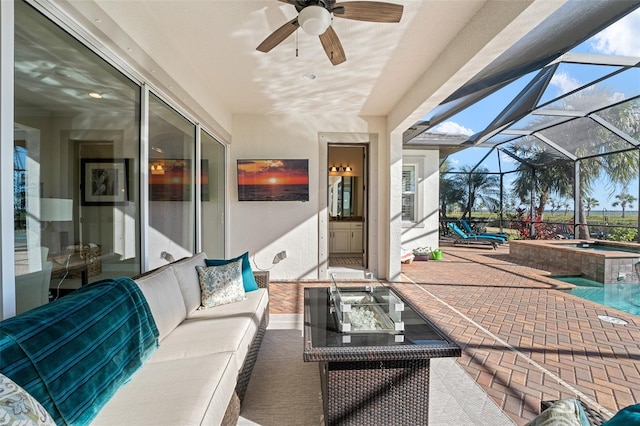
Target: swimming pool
625, 297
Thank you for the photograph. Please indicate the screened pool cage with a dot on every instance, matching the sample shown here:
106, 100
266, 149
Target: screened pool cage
541, 164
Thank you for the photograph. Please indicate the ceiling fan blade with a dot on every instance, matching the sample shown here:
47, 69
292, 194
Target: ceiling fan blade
370, 11
332, 46
278, 35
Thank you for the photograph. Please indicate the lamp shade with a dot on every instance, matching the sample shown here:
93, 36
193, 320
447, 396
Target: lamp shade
56, 210
314, 20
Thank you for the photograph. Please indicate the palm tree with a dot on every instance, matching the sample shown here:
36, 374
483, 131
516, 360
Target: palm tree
478, 186
555, 178
590, 203
624, 200
451, 192
552, 176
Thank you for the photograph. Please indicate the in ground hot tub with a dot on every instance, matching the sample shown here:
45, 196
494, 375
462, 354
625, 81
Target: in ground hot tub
603, 261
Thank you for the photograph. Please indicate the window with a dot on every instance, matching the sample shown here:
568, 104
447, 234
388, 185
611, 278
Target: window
409, 193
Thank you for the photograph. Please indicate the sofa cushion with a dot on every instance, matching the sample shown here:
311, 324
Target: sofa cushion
17, 407
187, 391
187, 277
163, 294
248, 280
221, 284
233, 330
254, 304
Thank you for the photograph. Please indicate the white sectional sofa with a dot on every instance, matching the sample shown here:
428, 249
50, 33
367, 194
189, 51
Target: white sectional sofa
203, 365
195, 373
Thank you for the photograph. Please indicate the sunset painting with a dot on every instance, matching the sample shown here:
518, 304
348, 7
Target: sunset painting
273, 180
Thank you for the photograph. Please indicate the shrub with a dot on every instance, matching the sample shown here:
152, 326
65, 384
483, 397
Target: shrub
623, 234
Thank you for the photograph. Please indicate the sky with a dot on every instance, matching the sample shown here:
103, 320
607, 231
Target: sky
621, 38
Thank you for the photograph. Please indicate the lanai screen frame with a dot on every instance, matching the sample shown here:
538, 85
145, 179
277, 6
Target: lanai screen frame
506, 127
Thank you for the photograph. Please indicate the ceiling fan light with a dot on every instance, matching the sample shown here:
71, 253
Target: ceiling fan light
314, 20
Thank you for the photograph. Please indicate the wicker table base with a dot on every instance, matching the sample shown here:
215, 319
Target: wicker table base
376, 392
373, 377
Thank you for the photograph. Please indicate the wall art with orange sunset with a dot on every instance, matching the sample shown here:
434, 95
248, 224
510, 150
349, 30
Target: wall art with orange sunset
273, 180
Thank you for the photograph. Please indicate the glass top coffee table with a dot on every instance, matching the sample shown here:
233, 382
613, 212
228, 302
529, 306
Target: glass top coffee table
374, 349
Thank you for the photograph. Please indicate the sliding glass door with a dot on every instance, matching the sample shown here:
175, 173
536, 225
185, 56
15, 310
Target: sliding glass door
76, 161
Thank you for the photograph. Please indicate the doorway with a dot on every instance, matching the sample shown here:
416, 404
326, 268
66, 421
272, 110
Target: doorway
347, 207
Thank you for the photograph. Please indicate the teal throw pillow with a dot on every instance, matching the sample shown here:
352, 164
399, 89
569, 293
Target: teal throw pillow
248, 280
627, 416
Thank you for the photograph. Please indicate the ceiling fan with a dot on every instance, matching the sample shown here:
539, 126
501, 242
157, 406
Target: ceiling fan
314, 17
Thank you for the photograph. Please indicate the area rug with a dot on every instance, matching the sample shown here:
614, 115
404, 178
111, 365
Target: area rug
345, 260
283, 390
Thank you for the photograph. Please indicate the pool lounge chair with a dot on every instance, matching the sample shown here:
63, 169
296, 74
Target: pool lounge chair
470, 231
462, 238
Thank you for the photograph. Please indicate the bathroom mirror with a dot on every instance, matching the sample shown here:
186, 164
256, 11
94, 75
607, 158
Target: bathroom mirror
342, 200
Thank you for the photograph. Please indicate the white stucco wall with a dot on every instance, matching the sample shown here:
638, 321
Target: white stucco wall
424, 231
266, 228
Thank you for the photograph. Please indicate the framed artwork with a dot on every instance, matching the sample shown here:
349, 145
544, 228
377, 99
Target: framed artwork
273, 180
170, 180
104, 182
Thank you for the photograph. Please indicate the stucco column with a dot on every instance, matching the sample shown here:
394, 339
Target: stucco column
395, 206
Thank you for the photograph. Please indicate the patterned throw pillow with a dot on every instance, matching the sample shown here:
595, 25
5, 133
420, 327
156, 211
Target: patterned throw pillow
18, 407
565, 412
221, 284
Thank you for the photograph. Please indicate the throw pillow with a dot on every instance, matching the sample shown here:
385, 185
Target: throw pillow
627, 416
18, 407
566, 412
248, 280
221, 284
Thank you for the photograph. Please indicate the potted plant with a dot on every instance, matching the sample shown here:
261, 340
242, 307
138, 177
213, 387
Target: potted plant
422, 253
436, 254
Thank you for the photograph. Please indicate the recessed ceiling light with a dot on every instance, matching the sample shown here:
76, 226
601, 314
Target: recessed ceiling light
309, 76
95, 95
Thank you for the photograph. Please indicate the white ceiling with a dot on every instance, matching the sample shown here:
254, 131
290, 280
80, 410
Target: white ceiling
202, 53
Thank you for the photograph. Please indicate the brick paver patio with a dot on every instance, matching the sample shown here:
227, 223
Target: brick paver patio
524, 340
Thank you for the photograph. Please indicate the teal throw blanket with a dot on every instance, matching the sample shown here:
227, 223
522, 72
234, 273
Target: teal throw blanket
73, 354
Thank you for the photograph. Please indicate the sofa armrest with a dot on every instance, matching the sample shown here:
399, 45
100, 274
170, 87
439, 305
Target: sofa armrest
262, 279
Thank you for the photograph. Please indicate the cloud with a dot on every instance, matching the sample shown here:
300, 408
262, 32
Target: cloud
564, 82
451, 128
507, 159
620, 38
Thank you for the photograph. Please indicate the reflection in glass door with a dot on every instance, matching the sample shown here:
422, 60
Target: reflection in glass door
213, 196
171, 184
70, 105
